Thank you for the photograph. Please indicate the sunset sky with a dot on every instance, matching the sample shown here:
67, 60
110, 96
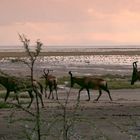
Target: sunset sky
71, 22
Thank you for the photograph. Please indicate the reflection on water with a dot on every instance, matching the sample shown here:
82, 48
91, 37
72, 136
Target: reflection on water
91, 59
91, 64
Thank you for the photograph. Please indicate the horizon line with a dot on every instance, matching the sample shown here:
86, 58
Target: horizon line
76, 45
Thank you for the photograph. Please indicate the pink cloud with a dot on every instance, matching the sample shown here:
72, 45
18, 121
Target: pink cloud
71, 22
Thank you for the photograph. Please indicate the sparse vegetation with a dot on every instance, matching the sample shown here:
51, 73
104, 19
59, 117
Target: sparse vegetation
114, 81
65, 119
5, 105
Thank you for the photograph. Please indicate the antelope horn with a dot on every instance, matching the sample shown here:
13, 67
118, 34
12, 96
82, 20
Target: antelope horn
135, 64
44, 70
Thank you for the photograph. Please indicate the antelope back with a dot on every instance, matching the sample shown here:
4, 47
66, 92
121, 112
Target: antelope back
95, 83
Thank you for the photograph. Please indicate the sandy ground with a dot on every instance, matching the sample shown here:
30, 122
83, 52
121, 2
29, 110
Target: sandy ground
102, 120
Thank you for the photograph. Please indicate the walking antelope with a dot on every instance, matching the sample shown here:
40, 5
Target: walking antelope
50, 81
90, 83
16, 85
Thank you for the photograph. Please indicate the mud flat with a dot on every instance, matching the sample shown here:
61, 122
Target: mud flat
102, 120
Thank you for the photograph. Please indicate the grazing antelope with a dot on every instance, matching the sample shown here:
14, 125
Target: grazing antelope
135, 73
50, 81
90, 83
16, 85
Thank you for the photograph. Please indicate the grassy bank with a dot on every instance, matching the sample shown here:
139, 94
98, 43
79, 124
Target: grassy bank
114, 81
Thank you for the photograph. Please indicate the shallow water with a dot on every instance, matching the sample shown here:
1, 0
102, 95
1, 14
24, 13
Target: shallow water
88, 65
92, 59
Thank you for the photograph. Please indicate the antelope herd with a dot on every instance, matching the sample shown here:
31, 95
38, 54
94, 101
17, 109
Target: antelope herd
85, 82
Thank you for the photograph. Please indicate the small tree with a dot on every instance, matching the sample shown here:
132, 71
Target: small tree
33, 57
68, 121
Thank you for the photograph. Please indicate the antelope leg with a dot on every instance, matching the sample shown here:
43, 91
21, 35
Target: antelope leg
100, 93
88, 95
40, 96
79, 93
109, 95
7, 95
32, 98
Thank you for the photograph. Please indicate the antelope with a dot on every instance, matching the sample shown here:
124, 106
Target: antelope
90, 83
50, 81
16, 85
135, 73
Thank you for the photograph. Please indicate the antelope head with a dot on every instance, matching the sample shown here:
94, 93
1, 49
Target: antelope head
135, 74
45, 74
